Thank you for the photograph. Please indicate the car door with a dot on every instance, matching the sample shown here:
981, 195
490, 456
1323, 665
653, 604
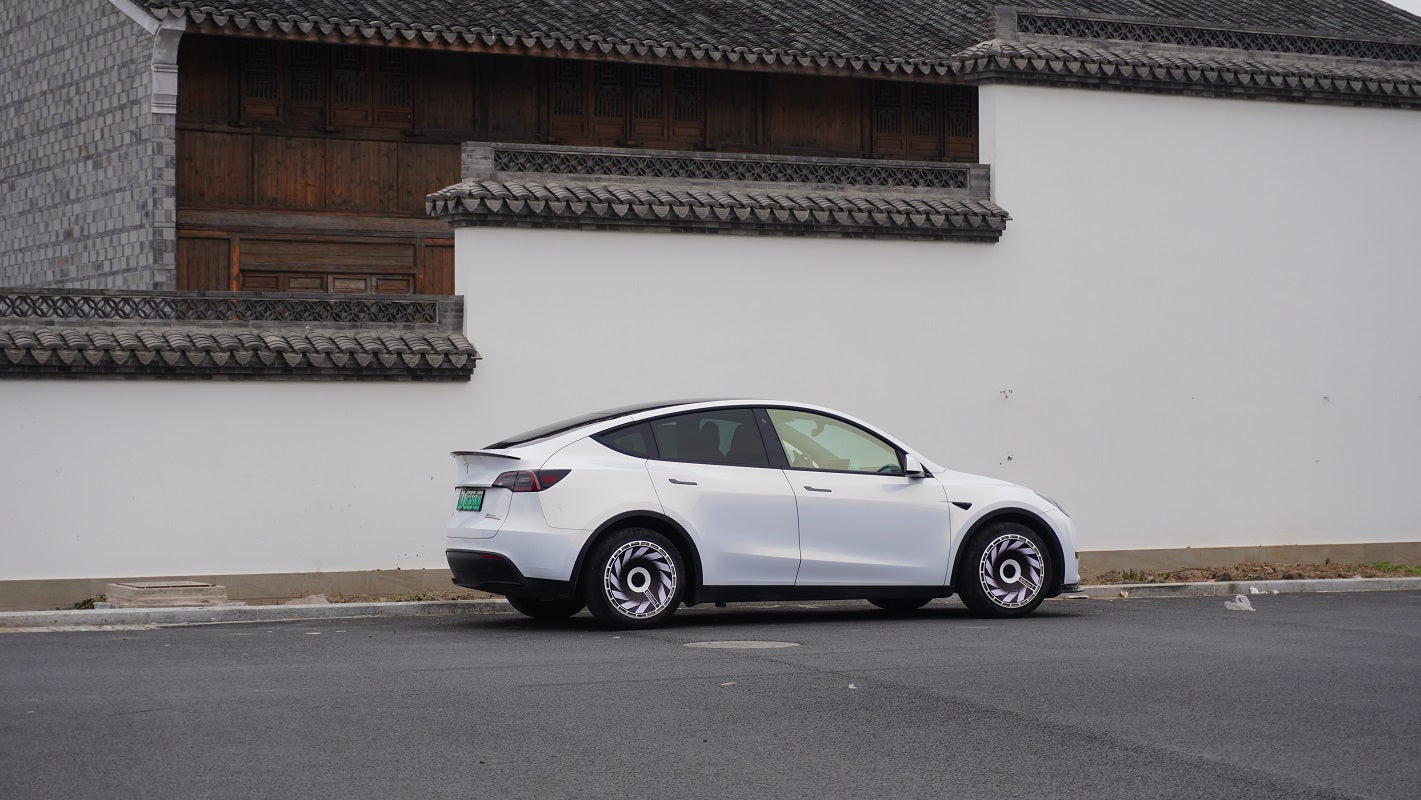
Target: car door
862, 522
713, 476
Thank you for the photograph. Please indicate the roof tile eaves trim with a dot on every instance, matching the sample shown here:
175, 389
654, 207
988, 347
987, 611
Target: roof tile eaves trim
727, 211
1080, 66
498, 40
45, 351
1195, 34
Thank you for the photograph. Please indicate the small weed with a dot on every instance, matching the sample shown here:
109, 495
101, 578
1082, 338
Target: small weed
88, 603
1388, 567
419, 597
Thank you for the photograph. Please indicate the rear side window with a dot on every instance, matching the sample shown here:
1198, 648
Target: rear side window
634, 440
717, 436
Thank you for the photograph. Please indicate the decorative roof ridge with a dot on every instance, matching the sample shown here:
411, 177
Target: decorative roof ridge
1020, 22
571, 165
1085, 50
269, 310
1195, 71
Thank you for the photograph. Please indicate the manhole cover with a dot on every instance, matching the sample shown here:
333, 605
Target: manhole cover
743, 645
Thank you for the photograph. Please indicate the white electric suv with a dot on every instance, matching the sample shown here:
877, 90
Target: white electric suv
633, 511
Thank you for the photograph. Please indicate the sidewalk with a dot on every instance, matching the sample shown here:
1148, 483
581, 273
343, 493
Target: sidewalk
206, 615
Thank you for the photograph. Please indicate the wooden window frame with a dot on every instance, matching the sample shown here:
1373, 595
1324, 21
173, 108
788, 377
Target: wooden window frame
603, 104
328, 87
916, 121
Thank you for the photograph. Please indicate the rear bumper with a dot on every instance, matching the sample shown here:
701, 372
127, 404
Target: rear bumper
494, 573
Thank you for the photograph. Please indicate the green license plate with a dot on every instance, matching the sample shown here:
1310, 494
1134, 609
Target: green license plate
470, 499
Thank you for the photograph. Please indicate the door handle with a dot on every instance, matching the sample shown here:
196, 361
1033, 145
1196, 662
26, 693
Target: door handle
682, 483
813, 489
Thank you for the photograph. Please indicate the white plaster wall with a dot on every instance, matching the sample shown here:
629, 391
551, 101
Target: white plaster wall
1199, 330
134, 478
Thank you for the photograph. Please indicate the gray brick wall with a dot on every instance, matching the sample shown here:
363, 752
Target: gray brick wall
86, 168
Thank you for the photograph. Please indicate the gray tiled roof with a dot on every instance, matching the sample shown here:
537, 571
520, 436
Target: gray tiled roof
57, 333
588, 187
1364, 82
125, 351
904, 32
1323, 39
615, 204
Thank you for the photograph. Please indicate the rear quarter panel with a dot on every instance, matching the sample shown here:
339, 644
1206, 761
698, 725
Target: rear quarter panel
603, 483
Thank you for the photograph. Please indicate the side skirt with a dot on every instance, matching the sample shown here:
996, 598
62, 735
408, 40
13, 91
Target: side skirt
744, 594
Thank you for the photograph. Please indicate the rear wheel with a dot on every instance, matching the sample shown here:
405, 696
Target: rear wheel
635, 579
1005, 571
547, 608
899, 605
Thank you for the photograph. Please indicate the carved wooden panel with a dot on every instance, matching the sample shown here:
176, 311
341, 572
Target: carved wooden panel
961, 124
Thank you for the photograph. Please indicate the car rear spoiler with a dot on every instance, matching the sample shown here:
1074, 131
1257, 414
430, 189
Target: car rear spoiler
482, 466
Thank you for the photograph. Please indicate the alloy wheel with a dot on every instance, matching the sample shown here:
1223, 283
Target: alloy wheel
1012, 570
640, 579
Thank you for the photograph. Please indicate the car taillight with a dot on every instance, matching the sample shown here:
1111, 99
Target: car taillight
525, 480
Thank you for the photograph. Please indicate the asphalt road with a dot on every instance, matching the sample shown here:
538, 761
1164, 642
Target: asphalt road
1309, 696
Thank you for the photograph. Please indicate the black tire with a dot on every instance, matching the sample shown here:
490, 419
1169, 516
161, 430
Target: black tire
900, 605
547, 608
634, 578
1006, 571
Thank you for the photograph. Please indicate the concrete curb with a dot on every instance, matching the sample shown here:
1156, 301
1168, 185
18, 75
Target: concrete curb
133, 617
234, 613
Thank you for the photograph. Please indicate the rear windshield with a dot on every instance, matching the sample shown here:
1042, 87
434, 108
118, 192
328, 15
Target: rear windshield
584, 419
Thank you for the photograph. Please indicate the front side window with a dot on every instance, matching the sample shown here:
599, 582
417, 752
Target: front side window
814, 441
717, 436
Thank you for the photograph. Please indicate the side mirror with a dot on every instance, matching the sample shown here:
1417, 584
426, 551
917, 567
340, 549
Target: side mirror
913, 468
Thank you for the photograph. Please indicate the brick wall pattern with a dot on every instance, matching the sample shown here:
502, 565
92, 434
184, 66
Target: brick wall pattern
86, 169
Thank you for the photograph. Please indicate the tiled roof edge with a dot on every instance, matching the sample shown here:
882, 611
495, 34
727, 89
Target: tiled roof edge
1163, 30
1168, 55
599, 188
78, 333
45, 351
554, 44
1113, 38
612, 206
1083, 66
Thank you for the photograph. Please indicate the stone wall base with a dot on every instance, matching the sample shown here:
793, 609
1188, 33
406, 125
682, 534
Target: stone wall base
258, 589
1095, 562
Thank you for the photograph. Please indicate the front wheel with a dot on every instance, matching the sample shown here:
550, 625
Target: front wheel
635, 579
1005, 571
549, 608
